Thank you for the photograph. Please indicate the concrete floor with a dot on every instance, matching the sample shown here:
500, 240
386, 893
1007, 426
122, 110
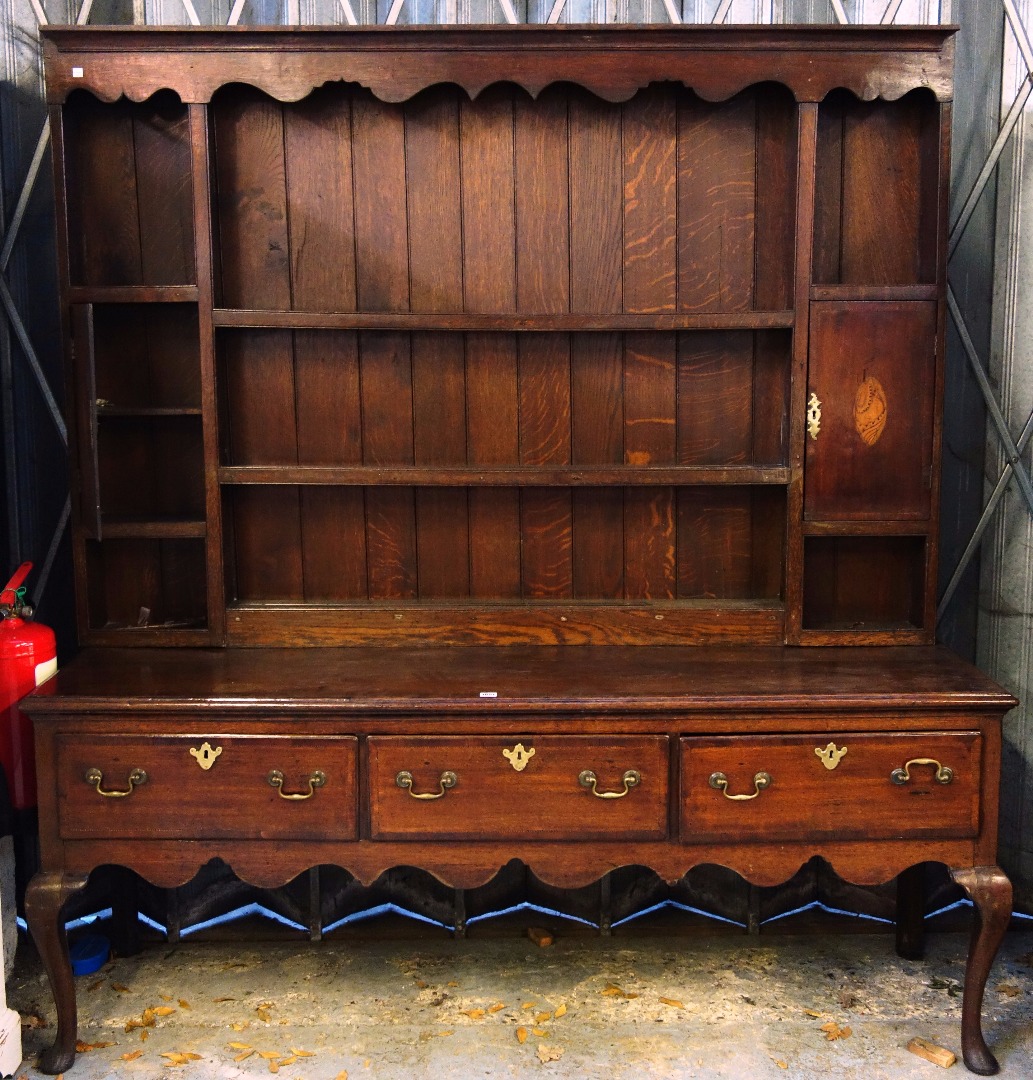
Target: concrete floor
434, 1008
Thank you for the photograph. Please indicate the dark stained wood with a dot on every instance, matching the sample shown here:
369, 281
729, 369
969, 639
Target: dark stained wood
542, 189
401, 320
874, 463
455, 380
650, 201
717, 161
490, 798
381, 240
251, 185
856, 799
432, 154
320, 210
596, 205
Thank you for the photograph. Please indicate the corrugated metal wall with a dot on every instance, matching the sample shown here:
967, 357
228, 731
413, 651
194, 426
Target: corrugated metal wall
992, 73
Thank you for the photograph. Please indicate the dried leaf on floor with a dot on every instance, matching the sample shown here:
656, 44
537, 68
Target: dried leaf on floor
183, 1004
82, 1047
561, 1011
239, 1046
161, 1010
521, 1034
540, 1032
176, 1058
144, 1035
238, 1026
540, 1018
243, 1055
612, 990
833, 1031
302, 1053
549, 1053
812, 1012
497, 1007
342, 1075
474, 1014
421, 984
165, 997
218, 1001
445, 1034
1009, 989
132, 1055
673, 1002
528, 1005
452, 983
268, 1054
95, 985
31, 1020
780, 1063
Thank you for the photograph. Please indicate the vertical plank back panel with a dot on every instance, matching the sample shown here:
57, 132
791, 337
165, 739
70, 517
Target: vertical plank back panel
387, 439
650, 201
489, 283
542, 202
251, 181
776, 197
717, 146
333, 521
321, 214
333, 539
715, 549
258, 397
881, 193
443, 542
267, 544
432, 184
381, 231
489, 228
597, 438
715, 398
161, 131
650, 409
103, 212
596, 205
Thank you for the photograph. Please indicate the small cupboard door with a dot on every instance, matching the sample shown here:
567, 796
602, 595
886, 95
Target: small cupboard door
871, 387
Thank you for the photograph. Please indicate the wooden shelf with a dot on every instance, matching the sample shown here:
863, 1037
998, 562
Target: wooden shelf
866, 528
528, 622
459, 321
133, 294
133, 528
128, 411
494, 476
874, 292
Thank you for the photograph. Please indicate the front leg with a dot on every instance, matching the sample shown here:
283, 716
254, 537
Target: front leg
990, 891
45, 899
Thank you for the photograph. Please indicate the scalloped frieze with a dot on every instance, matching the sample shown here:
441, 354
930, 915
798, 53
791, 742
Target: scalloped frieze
396, 67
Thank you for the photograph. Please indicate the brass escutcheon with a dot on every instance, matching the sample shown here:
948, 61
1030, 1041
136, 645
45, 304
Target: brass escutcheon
518, 757
813, 416
448, 780
944, 773
95, 778
315, 780
588, 779
205, 756
719, 782
830, 757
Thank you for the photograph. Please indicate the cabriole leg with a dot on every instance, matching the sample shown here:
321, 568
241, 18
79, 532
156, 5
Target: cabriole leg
990, 891
45, 899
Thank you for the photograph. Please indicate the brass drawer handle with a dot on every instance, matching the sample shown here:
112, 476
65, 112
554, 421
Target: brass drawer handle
448, 780
719, 782
315, 780
944, 773
588, 779
94, 777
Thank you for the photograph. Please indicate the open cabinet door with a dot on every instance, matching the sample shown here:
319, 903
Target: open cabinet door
870, 389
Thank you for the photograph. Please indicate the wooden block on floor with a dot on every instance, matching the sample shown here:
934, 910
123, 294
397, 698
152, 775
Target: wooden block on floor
938, 1055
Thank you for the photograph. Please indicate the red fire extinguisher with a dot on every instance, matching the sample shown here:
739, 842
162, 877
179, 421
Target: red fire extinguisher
28, 657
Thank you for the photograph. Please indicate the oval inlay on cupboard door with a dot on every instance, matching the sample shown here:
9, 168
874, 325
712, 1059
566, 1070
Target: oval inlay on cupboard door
870, 410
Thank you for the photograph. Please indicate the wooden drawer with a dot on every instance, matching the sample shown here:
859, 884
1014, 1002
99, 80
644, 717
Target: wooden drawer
232, 798
491, 799
857, 799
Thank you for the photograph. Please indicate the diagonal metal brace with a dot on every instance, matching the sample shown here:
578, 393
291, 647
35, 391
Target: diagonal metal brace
988, 512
